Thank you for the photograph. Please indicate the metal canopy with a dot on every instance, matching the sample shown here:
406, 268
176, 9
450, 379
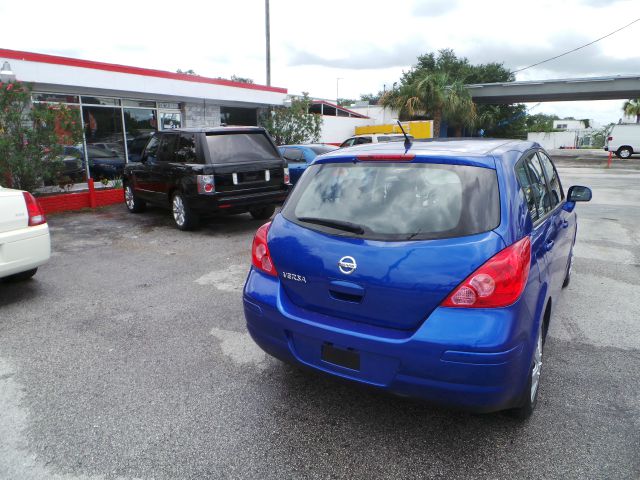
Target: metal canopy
595, 88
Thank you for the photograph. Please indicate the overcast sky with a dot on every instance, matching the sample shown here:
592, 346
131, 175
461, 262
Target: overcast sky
365, 43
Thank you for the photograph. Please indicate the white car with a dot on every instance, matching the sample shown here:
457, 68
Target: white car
374, 138
24, 235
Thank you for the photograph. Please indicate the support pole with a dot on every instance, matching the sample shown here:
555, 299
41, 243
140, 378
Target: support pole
268, 40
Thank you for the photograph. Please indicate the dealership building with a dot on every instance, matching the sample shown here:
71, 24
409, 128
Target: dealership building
120, 106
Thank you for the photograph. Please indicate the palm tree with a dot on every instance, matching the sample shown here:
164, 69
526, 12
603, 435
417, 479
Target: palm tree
434, 94
632, 107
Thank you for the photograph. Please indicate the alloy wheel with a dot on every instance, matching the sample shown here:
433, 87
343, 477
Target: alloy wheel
128, 197
178, 210
537, 366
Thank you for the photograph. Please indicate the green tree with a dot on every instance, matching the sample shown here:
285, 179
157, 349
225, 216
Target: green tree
294, 124
372, 98
495, 120
235, 78
540, 122
32, 137
187, 72
435, 95
632, 107
345, 102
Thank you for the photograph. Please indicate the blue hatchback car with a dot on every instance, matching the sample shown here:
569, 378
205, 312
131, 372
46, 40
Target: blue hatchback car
299, 157
429, 272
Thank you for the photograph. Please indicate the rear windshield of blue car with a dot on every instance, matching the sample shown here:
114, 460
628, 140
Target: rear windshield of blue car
240, 147
396, 201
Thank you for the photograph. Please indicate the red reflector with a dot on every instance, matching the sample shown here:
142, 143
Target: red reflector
224, 206
499, 282
260, 256
389, 158
36, 215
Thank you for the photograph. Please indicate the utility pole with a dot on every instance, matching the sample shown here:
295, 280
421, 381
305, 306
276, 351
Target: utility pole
268, 40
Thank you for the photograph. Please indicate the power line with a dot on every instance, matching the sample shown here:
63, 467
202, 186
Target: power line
578, 48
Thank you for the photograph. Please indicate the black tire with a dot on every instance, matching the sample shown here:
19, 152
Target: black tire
567, 276
183, 216
22, 276
529, 398
133, 203
624, 152
263, 213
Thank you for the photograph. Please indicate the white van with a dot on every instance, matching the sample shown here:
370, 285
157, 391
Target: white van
624, 140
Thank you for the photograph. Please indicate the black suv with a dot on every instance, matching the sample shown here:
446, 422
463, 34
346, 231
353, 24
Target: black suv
208, 171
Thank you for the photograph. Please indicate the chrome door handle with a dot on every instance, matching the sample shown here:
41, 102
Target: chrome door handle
549, 245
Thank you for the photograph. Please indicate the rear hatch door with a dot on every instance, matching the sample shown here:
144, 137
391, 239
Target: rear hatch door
244, 160
403, 237
394, 284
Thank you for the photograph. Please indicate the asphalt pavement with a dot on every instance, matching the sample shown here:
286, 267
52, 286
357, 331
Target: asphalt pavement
127, 357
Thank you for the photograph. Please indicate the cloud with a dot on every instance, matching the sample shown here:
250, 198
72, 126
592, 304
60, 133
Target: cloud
589, 61
599, 3
363, 57
433, 8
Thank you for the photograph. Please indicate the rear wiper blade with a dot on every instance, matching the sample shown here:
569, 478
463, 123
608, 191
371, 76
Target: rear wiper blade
338, 224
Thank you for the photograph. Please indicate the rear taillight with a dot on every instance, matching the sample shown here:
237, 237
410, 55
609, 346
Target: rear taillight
206, 184
287, 178
499, 282
260, 256
36, 215
609, 138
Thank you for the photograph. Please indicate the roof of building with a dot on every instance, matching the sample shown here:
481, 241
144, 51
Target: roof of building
113, 67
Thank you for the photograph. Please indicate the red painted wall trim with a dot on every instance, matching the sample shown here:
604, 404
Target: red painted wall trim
113, 67
66, 202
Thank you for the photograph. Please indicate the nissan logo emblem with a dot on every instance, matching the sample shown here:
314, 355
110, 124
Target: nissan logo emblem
347, 265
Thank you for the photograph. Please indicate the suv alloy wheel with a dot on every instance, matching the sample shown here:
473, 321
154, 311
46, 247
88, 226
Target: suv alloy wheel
183, 216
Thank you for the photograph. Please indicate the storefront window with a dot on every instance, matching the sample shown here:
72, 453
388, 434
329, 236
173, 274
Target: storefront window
140, 123
105, 142
238, 116
170, 120
55, 97
107, 101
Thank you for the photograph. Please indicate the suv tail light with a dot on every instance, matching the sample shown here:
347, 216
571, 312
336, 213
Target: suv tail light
260, 256
287, 178
499, 282
609, 138
206, 184
36, 215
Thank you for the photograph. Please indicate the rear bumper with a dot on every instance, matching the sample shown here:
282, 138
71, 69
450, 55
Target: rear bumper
237, 202
450, 359
24, 249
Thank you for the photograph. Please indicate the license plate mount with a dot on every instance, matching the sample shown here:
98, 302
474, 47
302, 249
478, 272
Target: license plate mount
342, 357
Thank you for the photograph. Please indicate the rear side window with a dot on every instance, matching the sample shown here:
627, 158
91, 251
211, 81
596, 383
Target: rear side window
534, 186
393, 201
557, 195
186, 151
241, 148
167, 149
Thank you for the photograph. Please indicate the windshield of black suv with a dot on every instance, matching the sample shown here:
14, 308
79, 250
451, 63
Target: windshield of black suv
396, 201
241, 147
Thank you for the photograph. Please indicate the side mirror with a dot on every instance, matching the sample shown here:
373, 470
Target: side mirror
579, 193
